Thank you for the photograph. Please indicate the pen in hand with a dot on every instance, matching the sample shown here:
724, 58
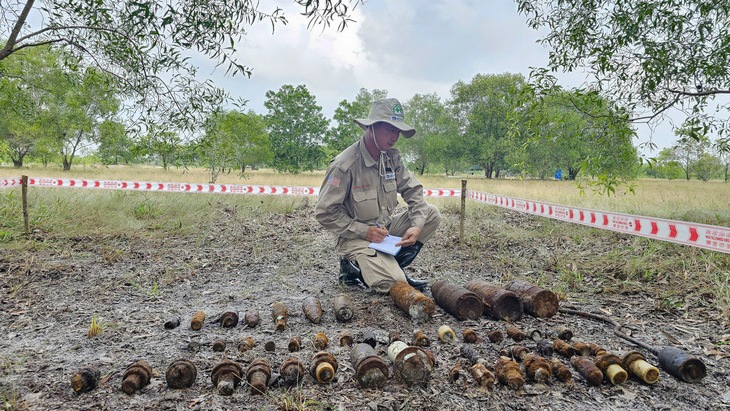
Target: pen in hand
378, 225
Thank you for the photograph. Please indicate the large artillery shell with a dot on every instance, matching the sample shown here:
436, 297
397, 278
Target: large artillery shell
323, 367
257, 375
509, 373
446, 334
320, 341
515, 333
226, 376
136, 376
370, 370
482, 376
537, 368
635, 363
278, 314
470, 336
196, 323
412, 301
292, 372
535, 300
560, 371
610, 365
251, 318
343, 307
85, 379
457, 300
498, 302
587, 369
563, 348
411, 364
295, 344
181, 374
312, 309
229, 318
681, 364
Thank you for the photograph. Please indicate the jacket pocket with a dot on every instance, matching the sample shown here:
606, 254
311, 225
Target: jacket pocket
391, 195
366, 205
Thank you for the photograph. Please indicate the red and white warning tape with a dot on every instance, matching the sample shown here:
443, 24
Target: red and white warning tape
699, 235
10, 182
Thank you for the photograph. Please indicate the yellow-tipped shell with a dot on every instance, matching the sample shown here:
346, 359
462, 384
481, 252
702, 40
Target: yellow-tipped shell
446, 334
647, 372
325, 372
616, 374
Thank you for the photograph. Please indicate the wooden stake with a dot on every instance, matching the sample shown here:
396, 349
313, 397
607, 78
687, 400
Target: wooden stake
24, 191
463, 212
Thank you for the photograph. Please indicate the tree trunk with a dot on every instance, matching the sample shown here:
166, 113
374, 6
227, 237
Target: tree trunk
496, 173
573, 173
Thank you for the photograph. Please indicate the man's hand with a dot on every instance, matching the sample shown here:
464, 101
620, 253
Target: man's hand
376, 234
410, 237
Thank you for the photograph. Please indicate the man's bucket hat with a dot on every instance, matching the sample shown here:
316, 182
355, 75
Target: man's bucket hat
387, 110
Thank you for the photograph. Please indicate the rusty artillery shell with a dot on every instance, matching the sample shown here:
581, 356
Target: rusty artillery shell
278, 314
509, 373
320, 341
416, 304
226, 376
681, 364
312, 309
292, 372
196, 323
587, 369
563, 348
85, 379
368, 337
498, 302
270, 346
519, 352
596, 349
537, 368
457, 300
246, 344
469, 353
219, 345
295, 344
181, 374
229, 318
470, 336
136, 376
251, 318
482, 376
346, 339
343, 307
393, 336
544, 348
420, 340
411, 364
582, 348
370, 370
635, 363
495, 336
323, 367
172, 323
456, 373
560, 371
446, 334
515, 333
535, 300
257, 375
610, 365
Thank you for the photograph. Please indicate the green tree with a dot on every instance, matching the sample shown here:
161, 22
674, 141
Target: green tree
114, 143
145, 45
345, 132
161, 144
296, 126
649, 56
667, 165
723, 151
707, 167
425, 113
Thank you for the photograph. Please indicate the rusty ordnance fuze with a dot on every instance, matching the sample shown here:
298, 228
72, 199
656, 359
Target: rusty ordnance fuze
181, 374
370, 370
347, 339
292, 372
312, 309
219, 345
85, 379
279, 315
415, 303
226, 376
196, 323
257, 375
295, 344
537, 368
229, 318
323, 367
509, 373
420, 340
246, 344
343, 307
411, 364
457, 300
251, 318
470, 336
136, 376
498, 302
320, 341
535, 300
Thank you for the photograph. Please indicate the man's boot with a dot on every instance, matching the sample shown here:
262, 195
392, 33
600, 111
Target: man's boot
405, 257
350, 273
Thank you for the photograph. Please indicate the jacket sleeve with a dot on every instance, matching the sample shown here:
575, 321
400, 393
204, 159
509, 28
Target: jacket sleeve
331, 211
412, 192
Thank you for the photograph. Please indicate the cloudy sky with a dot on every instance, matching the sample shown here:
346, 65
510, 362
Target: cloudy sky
405, 47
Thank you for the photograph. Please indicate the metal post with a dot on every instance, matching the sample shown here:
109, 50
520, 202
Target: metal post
463, 212
24, 191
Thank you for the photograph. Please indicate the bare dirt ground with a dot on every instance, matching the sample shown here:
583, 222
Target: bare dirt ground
49, 295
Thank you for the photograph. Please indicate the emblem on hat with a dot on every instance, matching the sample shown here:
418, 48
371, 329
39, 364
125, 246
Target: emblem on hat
397, 110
